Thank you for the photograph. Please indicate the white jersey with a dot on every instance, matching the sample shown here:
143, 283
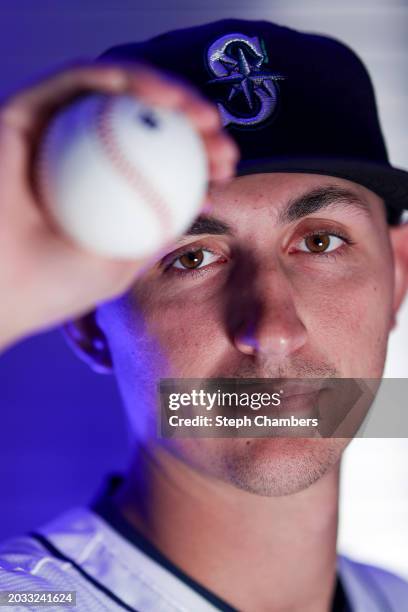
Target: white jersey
82, 552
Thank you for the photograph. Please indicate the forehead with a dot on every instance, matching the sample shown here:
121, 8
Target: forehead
274, 193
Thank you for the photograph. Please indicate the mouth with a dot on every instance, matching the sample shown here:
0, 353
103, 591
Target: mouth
287, 388
301, 404
299, 398
292, 387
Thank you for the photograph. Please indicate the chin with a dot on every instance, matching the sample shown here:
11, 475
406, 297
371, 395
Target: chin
273, 467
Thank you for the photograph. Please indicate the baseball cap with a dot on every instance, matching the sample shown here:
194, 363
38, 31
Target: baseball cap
292, 101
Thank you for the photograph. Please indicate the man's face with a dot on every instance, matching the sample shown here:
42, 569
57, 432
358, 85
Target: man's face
287, 276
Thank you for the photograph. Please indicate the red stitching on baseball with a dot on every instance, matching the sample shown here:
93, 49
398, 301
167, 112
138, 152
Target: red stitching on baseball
128, 171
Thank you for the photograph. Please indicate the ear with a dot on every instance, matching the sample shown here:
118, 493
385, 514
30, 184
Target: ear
89, 343
399, 241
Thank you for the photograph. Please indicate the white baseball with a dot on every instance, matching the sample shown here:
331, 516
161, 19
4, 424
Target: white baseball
122, 178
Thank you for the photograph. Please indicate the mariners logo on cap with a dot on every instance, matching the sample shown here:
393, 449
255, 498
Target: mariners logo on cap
252, 92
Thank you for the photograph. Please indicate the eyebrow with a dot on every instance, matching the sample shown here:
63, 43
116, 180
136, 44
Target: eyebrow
302, 206
322, 198
205, 224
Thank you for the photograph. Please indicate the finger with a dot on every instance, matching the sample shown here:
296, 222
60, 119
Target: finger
164, 90
203, 115
223, 154
25, 109
169, 91
221, 171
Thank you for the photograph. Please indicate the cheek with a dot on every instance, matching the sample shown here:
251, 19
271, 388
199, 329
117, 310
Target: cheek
185, 327
351, 316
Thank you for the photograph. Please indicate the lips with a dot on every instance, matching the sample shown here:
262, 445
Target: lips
293, 388
300, 404
286, 388
287, 396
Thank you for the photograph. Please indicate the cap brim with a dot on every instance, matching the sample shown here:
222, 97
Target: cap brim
389, 183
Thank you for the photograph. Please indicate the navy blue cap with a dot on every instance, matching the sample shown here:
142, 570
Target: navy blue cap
293, 102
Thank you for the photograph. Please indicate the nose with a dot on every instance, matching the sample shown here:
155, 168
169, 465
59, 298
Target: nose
270, 325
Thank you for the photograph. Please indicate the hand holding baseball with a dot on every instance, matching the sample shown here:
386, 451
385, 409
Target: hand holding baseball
45, 277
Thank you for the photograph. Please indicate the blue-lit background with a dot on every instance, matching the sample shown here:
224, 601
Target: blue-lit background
62, 427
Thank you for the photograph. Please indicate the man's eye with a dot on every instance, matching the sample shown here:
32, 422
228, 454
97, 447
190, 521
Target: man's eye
194, 259
321, 243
